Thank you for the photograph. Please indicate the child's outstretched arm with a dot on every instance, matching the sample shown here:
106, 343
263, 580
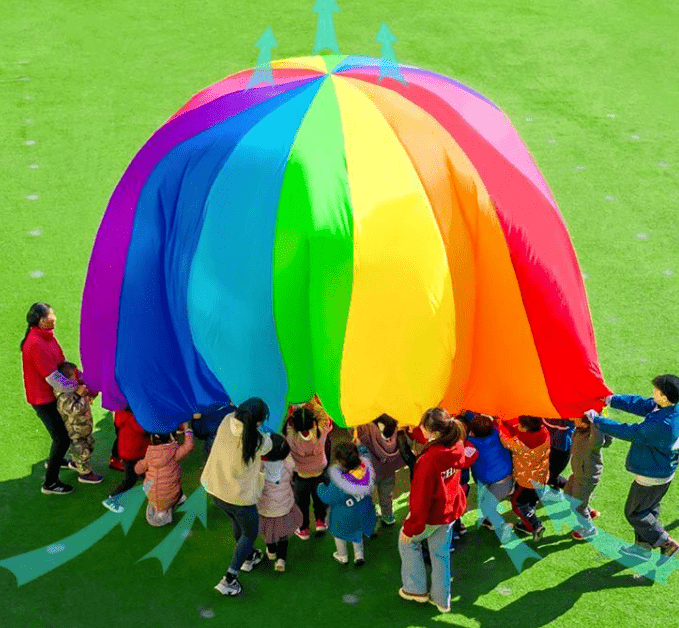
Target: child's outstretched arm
187, 446
646, 432
634, 404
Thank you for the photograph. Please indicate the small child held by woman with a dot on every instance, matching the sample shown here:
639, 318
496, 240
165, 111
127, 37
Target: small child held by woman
352, 512
306, 431
163, 474
279, 515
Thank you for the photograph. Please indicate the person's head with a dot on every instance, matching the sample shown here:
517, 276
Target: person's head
40, 315
347, 456
279, 450
68, 369
304, 420
252, 413
386, 424
481, 425
530, 423
440, 428
666, 390
163, 439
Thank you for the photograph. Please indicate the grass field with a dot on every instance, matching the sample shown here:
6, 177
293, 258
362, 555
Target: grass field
591, 88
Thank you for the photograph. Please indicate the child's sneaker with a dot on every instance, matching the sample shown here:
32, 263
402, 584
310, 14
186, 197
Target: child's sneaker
270, 555
521, 528
582, 534
506, 532
442, 609
302, 533
58, 488
415, 597
642, 552
488, 524
182, 499
229, 587
72, 465
320, 525
91, 478
342, 559
462, 529
116, 463
113, 505
279, 565
539, 532
593, 514
256, 557
388, 521
668, 550
359, 562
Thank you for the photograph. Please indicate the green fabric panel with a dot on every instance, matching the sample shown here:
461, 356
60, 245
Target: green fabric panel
313, 256
332, 61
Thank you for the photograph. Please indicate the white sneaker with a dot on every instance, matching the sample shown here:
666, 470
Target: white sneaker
442, 609
279, 565
256, 557
342, 559
229, 588
271, 555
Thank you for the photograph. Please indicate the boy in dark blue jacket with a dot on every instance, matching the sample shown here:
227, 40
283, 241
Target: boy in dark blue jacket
653, 456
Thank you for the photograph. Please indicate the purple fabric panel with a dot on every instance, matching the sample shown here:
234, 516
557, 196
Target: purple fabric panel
101, 295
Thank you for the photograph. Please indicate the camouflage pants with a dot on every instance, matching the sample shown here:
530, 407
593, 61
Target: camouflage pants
82, 442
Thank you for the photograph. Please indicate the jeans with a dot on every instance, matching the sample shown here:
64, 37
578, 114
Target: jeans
413, 573
49, 415
245, 521
305, 491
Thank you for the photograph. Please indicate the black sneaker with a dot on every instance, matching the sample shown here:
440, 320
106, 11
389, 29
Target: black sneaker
256, 557
58, 488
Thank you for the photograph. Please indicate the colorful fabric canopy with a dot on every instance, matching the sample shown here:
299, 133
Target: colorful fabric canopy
390, 247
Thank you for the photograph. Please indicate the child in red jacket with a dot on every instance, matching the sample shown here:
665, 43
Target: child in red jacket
436, 501
132, 444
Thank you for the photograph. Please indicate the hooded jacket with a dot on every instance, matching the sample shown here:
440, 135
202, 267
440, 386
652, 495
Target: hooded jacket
308, 451
530, 453
654, 452
132, 439
436, 497
385, 453
494, 462
277, 498
161, 465
352, 512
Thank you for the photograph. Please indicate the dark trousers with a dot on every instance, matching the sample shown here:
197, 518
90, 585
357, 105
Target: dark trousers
129, 478
642, 511
245, 523
524, 501
280, 548
49, 415
305, 492
558, 461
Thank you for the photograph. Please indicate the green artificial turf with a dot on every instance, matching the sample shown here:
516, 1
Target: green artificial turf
591, 88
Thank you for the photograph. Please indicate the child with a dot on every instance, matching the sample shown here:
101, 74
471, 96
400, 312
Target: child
388, 451
653, 458
493, 467
528, 440
161, 466
132, 444
560, 441
306, 431
279, 515
77, 415
586, 465
206, 423
352, 513
436, 500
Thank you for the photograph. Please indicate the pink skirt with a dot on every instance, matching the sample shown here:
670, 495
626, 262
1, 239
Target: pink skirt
274, 529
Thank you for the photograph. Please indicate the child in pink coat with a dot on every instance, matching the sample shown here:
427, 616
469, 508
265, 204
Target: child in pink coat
163, 474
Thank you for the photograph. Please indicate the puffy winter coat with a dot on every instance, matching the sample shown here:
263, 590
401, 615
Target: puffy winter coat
385, 453
277, 498
161, 465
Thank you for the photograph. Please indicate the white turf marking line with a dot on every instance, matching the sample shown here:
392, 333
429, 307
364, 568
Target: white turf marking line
585, 276
349, 598
36, 274
668, 272
551, 141
642, 236
32, 197
529, 119
29, 97
35, 232
610, 198
29, 142
644, 360
33, 166
28, 121
23, 61
25, 78
634, 136
579, 168
611, 115
207, 613
663, 164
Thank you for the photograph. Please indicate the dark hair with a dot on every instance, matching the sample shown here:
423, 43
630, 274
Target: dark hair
38, 310
304, 420
279, 450
346, 453
389, 422
163, 439
481, 425
438, 420
668, 385
530, 423
252, 413
67, 369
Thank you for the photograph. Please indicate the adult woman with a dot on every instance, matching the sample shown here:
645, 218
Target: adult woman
234, 478
41, 355
436, 501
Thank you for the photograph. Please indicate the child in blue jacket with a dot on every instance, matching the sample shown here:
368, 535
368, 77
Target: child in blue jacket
653, 457
352, 512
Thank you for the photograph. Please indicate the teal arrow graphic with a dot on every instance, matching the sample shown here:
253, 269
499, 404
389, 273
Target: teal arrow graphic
389, 66
562, 511
518, 551
325, 29
168, 548
262, 72
32, 565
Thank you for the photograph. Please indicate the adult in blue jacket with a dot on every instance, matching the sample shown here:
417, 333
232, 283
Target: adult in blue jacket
653, 458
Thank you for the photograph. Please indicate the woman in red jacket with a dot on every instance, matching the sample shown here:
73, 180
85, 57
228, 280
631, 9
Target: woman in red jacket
41, 355
436, 501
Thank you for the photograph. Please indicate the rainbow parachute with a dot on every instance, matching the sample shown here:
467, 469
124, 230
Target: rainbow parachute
390, 247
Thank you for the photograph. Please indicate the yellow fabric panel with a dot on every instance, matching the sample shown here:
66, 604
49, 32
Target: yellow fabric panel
310, 63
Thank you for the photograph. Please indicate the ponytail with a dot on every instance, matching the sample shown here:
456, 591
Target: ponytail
251, 413
450, 429
38, 310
